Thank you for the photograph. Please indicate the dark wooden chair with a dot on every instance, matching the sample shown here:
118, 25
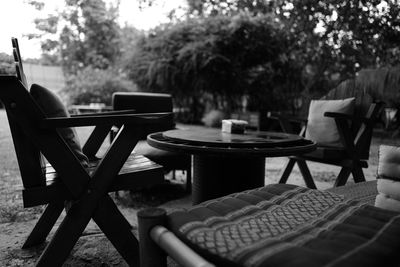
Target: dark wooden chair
67, 180
355, 133
64, 181
18, 62
144, 102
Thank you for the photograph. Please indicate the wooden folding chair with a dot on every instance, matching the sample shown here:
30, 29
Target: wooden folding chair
355, 133
65, 180
86, 189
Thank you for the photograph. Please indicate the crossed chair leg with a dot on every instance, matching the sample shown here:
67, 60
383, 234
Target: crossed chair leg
44, 225
107, 217
94, 204
349, 167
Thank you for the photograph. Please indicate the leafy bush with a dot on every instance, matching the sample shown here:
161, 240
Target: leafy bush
212, 62
6, 64
95, 86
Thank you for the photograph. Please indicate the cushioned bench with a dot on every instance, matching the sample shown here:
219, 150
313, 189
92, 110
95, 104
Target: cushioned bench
144, 102
282, 225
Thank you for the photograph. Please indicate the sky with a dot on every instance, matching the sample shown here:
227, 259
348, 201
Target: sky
16, 19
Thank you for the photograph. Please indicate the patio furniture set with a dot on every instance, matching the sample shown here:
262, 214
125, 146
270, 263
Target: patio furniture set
235, 220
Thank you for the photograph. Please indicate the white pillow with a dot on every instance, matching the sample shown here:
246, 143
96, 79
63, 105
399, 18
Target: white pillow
321, 129
389, 162
386, 202
389, 187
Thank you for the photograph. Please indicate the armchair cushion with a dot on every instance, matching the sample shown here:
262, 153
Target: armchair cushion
286, 225
321, 129
389, 162
52, 107
388, 184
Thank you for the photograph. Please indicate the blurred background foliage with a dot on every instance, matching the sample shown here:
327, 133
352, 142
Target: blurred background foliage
215, 61
227, 54
94, 85
6, 64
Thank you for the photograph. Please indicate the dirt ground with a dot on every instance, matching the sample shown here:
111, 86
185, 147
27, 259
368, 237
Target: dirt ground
93, 248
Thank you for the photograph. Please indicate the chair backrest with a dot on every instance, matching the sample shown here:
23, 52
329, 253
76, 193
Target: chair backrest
142, 102
18, 62
28, 155
29, 158
25, 117
30, 142
364, 107
348, 89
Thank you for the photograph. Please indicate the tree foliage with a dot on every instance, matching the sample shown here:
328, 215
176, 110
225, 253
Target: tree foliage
229, 7
92, 36
218, 59
335, 38
89, 47
88, 35
91, 85
6, 64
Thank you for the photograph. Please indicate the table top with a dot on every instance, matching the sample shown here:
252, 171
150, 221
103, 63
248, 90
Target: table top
213, 141
215, 137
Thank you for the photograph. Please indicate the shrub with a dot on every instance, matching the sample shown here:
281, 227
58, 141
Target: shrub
6, 64
95, 86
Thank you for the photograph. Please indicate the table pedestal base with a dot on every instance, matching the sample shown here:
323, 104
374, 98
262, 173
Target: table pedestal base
215, 176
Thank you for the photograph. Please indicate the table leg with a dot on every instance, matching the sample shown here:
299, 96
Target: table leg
219, 175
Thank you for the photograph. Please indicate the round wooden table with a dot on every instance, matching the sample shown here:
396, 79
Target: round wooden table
225, 163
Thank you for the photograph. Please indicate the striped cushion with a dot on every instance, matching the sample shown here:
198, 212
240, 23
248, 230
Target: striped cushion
286, 225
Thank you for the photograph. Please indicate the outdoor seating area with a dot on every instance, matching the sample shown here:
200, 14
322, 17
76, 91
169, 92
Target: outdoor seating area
343, 140
232, 133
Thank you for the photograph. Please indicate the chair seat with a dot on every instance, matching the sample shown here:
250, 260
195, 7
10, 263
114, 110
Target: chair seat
169, 160
287, 225
138, 171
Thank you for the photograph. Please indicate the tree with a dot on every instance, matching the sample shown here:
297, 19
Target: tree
344, 37
217, 60
89, 35
89, 48
229, 7
91, 85
335, 38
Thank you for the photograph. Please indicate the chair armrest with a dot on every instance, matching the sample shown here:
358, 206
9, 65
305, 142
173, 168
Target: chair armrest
140, 118
289, 123
278, 116
106, 113
344, 116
